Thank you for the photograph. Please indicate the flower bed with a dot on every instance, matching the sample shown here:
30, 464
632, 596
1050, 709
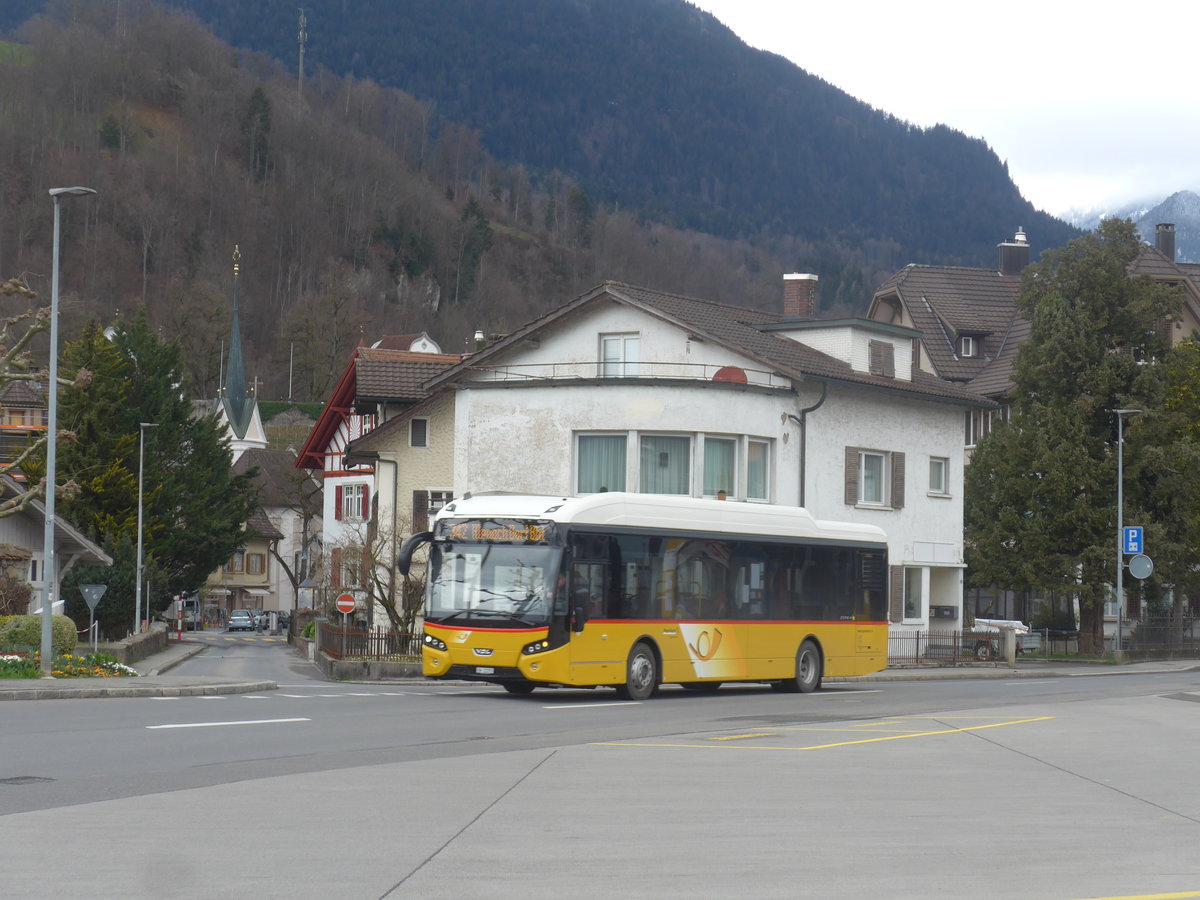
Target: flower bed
93, 665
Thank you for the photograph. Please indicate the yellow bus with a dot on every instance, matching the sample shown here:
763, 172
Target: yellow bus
632, 591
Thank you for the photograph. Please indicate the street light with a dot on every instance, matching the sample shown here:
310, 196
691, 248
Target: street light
48, 570
137, 592
1121, 520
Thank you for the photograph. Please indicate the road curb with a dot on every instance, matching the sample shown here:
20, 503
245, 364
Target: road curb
88, 692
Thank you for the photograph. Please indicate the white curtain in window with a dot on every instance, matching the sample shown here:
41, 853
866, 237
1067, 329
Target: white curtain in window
872, 478
601, 463
719, 456
757, 487
665, 464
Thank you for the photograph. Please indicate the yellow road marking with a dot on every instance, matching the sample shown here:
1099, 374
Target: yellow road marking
872, 740
741, 737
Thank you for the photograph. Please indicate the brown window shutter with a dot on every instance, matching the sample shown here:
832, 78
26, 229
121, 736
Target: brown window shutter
851, 476
896, 595
335, 567
366, 503
337, 502
420, 514
882, 358
897, 481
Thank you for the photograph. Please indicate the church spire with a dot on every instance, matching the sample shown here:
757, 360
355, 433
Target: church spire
237, 401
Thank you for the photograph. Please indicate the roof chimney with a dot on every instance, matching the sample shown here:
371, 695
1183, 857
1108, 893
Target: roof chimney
1164, 239
799, 296
1014, 254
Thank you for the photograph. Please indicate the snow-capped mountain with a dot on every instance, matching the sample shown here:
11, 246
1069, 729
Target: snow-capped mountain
1182, 209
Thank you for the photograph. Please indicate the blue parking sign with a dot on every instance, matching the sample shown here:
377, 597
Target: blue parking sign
1131, 539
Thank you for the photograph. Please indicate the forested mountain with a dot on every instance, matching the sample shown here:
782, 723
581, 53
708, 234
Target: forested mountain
657, 106
361, 210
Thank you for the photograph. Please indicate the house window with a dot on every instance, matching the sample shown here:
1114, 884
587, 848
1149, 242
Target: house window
757, 470
350, 502
939, 473
425, 506
256, 563
914, 593
874, 478
237, 562
618, 355
967, 346
871, 478
881, 358
601, 463
418, 433
666, 464
438, 499
980, 423
720, 466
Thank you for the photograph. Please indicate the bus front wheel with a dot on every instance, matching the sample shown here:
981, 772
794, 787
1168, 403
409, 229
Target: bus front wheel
641, 674
518, 687
808, 671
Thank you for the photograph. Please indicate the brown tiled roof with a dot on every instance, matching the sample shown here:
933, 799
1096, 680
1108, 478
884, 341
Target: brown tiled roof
261, 526
947, 302
996, 380
23, 394
277, 475
740, 329
397, 375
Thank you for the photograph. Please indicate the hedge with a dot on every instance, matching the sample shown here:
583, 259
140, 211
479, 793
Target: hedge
23, 632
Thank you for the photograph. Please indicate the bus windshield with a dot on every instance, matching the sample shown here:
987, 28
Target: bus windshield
491, 583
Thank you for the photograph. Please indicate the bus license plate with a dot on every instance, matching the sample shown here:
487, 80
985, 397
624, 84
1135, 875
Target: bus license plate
484, 670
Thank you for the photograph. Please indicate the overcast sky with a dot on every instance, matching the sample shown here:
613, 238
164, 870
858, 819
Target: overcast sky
1091, 104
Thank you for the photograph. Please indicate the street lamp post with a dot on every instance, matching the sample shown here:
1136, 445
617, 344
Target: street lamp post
48, 565
137, 593
1120, 582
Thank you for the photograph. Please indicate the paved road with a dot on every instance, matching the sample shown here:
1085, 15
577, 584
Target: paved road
1057, 788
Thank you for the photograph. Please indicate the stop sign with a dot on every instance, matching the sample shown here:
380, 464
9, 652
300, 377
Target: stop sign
345, 604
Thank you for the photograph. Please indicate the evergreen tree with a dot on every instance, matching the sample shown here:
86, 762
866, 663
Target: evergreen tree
193, 508
1041, 493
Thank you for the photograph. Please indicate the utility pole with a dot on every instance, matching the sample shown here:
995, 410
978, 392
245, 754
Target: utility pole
302, 39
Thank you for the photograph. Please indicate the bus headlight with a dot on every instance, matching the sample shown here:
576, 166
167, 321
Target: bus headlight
535, 647
434, 643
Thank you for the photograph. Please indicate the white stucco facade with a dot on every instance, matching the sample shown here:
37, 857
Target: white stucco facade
519, 422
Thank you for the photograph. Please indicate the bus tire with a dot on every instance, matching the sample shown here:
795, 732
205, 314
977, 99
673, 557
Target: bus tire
518, 687
808, 671
641, 674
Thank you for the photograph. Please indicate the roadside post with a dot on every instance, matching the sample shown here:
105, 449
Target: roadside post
345, 605
91, 596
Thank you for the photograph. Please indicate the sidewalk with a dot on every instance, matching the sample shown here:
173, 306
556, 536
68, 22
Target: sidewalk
153, 683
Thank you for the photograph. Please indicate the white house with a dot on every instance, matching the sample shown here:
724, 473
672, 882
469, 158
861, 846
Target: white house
626, 388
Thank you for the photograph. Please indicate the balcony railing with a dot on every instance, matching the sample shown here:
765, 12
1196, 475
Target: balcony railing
642, 371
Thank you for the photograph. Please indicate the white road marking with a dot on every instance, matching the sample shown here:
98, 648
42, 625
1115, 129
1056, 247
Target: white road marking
220, 724
593, 705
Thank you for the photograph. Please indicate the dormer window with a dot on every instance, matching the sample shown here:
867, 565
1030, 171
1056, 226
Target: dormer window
968, 346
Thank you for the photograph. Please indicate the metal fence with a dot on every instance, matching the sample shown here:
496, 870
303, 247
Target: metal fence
954, 648
343, 643
1163, 638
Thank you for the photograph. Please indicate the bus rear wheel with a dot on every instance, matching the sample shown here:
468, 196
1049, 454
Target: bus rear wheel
518, 687
808, 671
641, 674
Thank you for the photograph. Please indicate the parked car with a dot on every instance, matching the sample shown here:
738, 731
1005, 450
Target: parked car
241, 620
985, 637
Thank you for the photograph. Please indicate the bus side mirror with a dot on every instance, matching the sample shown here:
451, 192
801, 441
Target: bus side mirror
579, 619
408, 548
